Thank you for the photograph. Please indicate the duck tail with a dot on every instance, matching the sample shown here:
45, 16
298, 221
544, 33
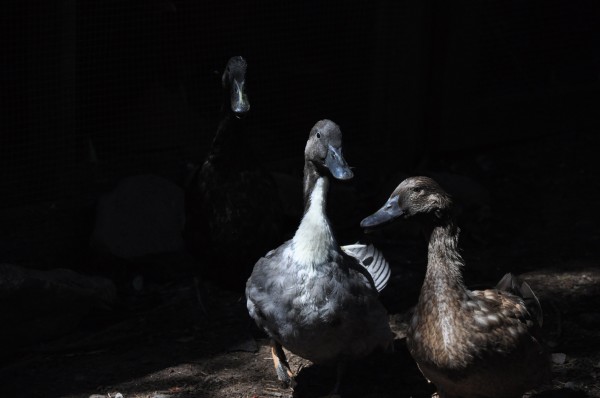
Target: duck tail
514, 285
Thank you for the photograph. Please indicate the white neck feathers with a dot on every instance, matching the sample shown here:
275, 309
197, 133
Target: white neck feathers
313, 239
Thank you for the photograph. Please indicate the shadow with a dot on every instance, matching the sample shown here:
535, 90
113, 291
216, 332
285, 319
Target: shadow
133, 349
561, 393
378, 375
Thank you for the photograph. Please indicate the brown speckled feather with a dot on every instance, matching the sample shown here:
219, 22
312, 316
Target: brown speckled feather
470, 344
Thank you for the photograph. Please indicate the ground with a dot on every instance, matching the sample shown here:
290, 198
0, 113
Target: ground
188, 338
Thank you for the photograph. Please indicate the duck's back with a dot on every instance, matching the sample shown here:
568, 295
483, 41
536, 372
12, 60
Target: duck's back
322, 313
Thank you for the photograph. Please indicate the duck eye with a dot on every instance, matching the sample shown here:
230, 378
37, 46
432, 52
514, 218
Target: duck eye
417, 189
318, 135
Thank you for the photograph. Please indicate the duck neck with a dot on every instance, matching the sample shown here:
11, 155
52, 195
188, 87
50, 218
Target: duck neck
223, 137
443, 292
444, 262
311, 175
314, 239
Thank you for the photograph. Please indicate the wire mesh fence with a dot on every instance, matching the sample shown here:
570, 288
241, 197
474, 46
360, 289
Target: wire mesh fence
96, 91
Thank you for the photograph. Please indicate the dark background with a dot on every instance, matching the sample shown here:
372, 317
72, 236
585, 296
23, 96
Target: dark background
505, 93
137, 83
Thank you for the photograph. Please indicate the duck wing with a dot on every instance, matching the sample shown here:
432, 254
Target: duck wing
514, 285
373, 261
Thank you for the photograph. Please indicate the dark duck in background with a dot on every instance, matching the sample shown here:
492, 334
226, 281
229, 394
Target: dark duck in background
310, 295
469, 344
233, 211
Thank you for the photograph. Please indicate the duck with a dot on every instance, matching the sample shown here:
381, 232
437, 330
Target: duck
233, 208
312, 296
469, 344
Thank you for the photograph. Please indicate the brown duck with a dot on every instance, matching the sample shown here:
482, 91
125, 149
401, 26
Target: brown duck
469, 344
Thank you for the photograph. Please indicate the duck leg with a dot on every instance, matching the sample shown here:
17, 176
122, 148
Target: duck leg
281, 365
341, 369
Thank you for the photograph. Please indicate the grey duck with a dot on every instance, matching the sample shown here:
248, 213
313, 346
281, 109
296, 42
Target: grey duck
310, 295
467, 343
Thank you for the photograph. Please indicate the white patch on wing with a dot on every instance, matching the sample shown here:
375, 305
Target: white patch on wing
373, 261
313, 239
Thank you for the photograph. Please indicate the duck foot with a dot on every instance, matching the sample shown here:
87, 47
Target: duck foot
341, 369
441, 394
282, 368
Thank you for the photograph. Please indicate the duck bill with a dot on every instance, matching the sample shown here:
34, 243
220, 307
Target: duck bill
239, 100
389, 212
337, 165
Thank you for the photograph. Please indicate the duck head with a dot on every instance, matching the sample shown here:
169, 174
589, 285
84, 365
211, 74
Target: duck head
324, 150
234, 84
414, 196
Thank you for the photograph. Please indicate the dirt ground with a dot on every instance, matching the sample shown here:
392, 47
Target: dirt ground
184, 338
